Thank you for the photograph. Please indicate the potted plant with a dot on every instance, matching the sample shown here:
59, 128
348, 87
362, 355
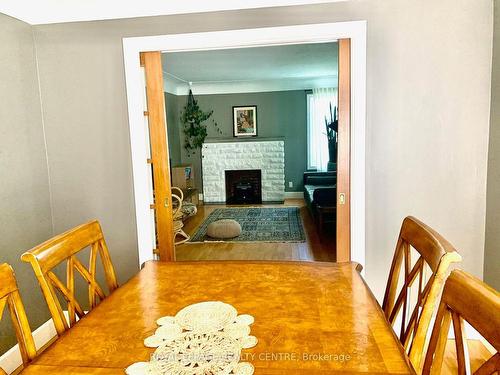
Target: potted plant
195, 130
332, 129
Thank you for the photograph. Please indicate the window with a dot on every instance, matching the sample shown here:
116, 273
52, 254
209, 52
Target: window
318, 109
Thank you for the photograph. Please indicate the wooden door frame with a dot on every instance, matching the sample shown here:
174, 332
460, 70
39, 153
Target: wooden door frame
155, 116
344, 153
300, 34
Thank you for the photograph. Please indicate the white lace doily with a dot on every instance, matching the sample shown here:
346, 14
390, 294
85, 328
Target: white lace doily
206, 316
201, 339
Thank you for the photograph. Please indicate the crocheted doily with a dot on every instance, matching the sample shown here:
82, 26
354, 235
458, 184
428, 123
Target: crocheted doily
201, 339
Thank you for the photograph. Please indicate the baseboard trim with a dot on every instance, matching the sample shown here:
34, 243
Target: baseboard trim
294, 195
11, 360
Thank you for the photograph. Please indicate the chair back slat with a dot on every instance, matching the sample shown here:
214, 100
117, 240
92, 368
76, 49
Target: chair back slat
413, 310
9, 296
465, 298
65, 247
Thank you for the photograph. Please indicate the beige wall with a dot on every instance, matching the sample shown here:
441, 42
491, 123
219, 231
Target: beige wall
492, 244
428, 90
24, 189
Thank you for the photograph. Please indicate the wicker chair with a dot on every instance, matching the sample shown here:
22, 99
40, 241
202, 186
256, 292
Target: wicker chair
179, 216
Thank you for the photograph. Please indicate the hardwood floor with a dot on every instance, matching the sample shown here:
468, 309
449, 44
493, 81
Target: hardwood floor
477, 351
314, 249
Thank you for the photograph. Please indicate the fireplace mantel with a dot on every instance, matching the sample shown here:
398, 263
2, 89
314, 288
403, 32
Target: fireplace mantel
244, 139
266, 154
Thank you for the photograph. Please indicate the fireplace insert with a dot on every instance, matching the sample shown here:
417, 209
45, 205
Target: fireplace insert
244, 186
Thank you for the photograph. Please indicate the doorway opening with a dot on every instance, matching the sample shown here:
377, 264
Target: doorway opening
351, 196
257, 114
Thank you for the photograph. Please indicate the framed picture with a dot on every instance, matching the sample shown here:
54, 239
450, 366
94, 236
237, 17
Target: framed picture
245, 121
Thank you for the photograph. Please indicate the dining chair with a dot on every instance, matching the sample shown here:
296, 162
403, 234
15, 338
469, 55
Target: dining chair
178, 215
465, 298
409, 308
9, 295
65, 247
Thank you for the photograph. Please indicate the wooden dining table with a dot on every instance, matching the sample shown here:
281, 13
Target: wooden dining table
310, 318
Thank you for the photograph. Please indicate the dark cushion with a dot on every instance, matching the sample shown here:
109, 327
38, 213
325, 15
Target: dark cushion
325, 195
321, 180
321, 195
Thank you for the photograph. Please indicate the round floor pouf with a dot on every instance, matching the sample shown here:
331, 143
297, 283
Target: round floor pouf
224, 228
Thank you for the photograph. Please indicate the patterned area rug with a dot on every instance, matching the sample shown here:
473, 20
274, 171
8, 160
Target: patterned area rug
257, 224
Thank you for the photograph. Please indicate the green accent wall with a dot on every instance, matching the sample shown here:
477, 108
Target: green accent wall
279, 114
174, 142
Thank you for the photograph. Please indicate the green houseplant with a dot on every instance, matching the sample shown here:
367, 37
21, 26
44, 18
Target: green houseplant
195, 130
332, 130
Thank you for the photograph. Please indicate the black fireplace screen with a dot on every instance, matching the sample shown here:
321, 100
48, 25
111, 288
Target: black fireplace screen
244, 186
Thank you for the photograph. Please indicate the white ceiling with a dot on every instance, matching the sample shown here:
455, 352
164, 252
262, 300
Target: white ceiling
258, 69
37, 12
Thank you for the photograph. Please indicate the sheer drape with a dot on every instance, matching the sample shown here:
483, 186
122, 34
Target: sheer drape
319, 108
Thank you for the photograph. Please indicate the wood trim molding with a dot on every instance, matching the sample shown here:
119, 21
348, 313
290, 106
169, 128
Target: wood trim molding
344, 154
159, 155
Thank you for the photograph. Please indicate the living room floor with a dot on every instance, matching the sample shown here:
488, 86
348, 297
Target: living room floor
313, 249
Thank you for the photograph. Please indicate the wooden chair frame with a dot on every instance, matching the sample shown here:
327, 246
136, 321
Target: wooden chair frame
465, 298
9, 295
45, 257
438, 254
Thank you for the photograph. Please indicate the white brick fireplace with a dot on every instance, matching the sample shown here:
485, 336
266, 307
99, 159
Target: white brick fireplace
268, 156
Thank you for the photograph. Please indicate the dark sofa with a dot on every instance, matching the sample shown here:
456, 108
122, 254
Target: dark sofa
320, 194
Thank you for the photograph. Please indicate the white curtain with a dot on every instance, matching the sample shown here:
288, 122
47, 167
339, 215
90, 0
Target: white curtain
319, 108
